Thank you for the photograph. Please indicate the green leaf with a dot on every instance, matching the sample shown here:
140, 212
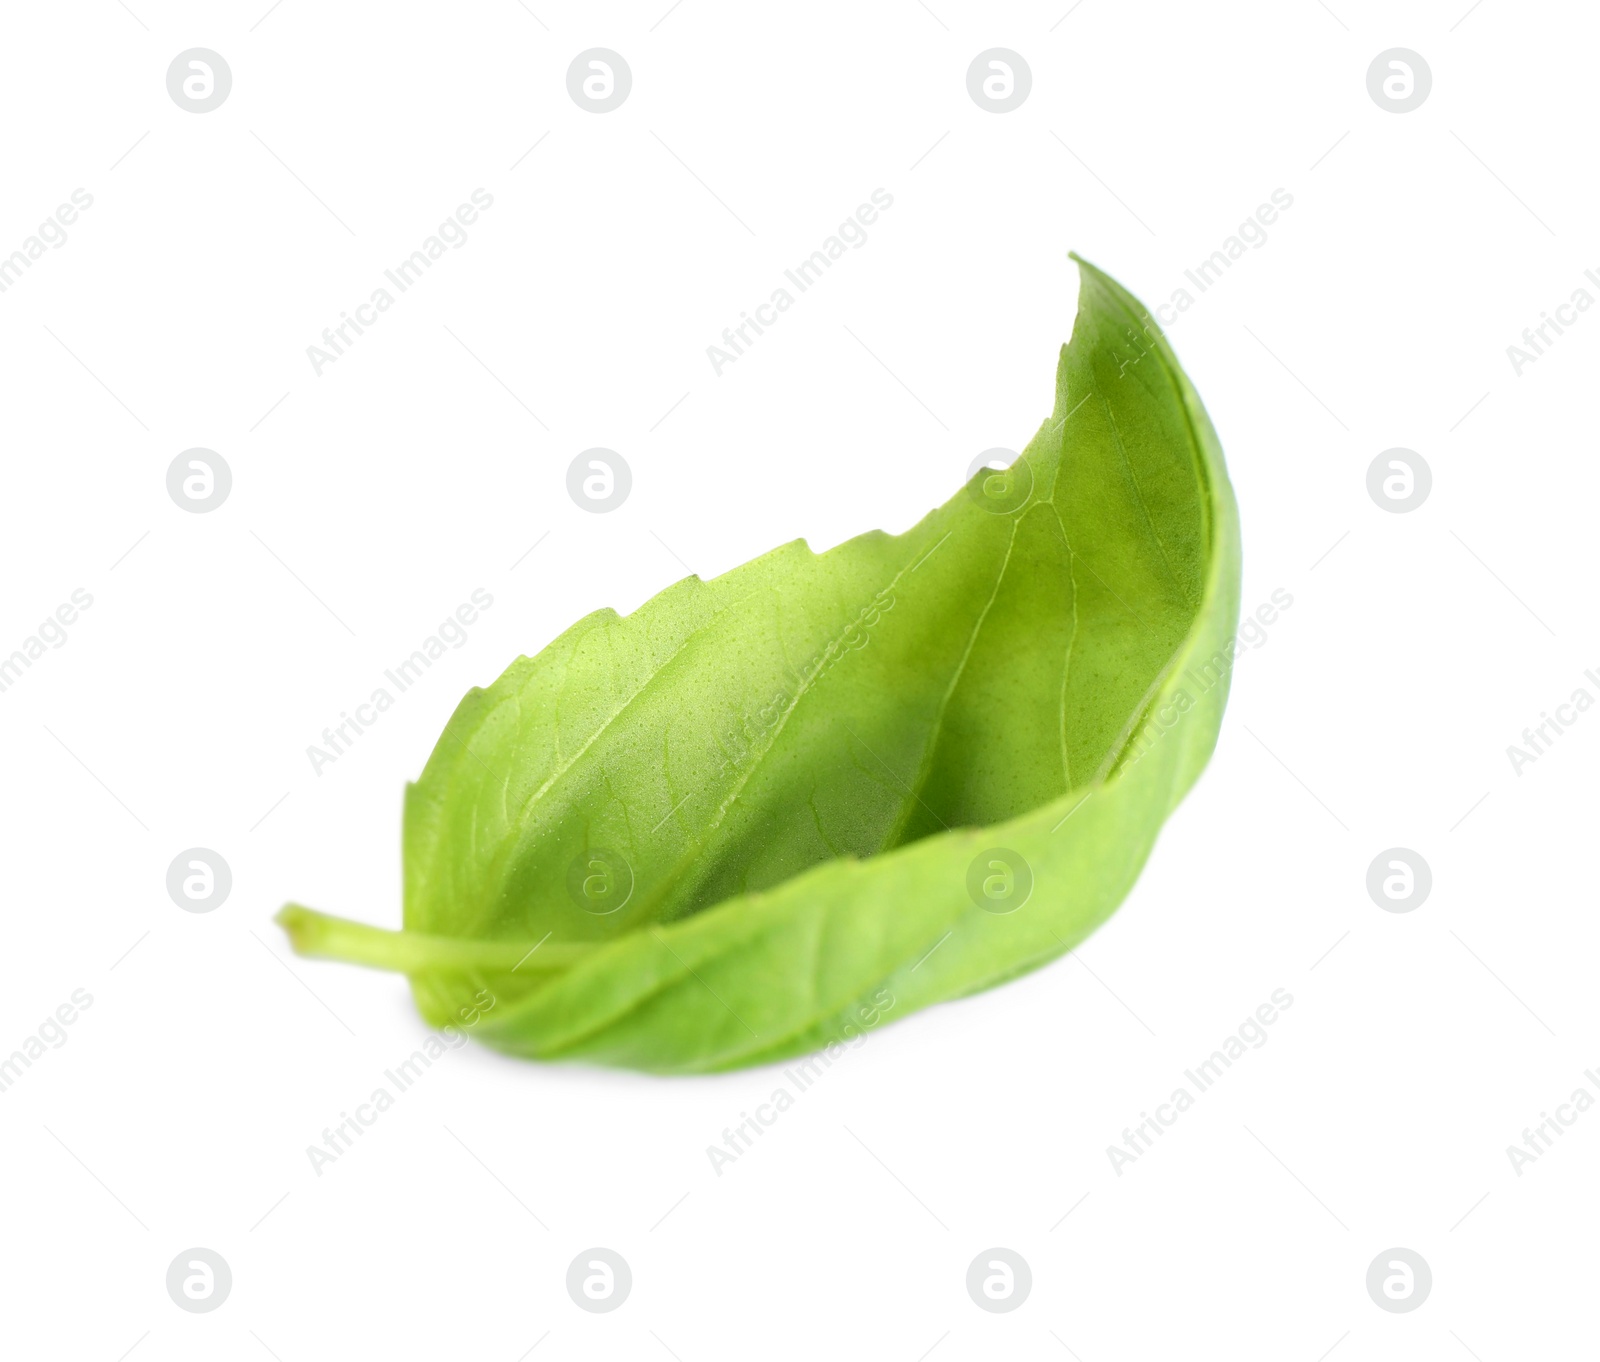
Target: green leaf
781, 807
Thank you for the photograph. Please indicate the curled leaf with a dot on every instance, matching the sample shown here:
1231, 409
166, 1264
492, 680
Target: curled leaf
772, 810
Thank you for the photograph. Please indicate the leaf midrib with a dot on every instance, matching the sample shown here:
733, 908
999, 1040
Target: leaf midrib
930, 749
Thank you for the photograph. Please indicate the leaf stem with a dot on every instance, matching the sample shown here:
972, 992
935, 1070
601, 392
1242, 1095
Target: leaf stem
336, 938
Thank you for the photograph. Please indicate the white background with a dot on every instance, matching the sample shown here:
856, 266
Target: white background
369, 501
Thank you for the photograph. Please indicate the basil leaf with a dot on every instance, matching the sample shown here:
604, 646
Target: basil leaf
773, 809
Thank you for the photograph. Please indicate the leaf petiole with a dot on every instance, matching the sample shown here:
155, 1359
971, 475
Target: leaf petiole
336, 938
